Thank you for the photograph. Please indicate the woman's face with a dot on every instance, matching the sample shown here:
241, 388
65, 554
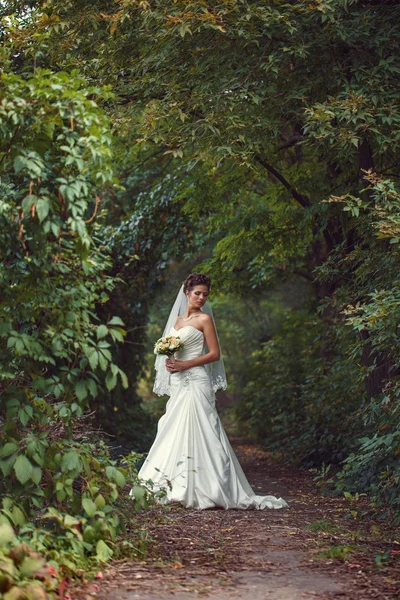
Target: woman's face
198, 296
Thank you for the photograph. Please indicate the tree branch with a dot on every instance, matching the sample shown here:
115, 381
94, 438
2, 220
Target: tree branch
291, 141
304, 201
304, 274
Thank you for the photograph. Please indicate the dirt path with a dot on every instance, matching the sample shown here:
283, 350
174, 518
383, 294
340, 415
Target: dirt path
261, 555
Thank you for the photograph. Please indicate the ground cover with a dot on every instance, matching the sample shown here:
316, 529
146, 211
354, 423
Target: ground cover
322, 547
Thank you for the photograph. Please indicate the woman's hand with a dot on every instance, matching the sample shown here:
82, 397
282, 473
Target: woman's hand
175, 366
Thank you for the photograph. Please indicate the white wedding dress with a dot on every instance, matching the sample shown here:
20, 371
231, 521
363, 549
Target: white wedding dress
191, 451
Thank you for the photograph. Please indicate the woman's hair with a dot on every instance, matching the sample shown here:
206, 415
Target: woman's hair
195, 279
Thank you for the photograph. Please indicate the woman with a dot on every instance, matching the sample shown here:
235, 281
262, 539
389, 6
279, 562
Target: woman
191, 456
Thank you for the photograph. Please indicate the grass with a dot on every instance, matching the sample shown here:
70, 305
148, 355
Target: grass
326, 526
336, 552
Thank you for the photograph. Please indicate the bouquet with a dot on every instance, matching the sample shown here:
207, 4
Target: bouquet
168, 345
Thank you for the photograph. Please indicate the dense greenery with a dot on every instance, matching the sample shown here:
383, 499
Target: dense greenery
55, 352
258, 139
308, 389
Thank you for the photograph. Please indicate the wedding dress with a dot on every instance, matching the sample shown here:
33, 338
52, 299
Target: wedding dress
191, 456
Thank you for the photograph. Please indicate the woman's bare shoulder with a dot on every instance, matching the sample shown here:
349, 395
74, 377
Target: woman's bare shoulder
205, 319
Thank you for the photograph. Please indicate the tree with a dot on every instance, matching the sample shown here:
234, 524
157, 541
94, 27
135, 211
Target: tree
301, 94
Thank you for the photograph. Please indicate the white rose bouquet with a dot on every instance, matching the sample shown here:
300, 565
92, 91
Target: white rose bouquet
168, 345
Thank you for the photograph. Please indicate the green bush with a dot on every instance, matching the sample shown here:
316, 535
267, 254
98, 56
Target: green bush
297, 398
24, 574
59, 486
326, 390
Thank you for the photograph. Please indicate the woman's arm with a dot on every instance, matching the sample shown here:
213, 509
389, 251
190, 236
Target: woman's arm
212, 355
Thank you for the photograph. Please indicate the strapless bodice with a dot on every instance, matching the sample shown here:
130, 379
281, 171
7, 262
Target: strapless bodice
192, 338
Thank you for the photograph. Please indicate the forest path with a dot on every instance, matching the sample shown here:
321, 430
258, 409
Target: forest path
259, 555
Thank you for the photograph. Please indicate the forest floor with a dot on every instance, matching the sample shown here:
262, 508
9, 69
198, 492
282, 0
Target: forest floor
321, 548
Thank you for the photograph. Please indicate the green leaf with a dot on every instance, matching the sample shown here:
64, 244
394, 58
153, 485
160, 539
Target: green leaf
71, 461
6, 465
18, 516
119, 478
64, 412
117, 334
100, 502
23, 469
28, 201
89, 534
19, 346
39, 459
103, 362
111, 472
116, 321
93, 357
183, 29
102, 331
42, 208
9, 448
81, 390
19, 163
36, 474
24, 415
55, 229
111, 381
71, 521
89, 506
139, 492
11, 342
92, 387
124, 379
103, 552
7, 535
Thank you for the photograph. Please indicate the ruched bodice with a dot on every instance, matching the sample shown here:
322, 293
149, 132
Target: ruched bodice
192, 338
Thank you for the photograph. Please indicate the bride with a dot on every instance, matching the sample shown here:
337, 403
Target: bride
191, 456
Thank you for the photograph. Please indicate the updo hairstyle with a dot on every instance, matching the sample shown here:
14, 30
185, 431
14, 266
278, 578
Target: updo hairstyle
195, 279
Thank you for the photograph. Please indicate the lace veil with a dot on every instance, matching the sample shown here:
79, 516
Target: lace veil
216, 369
